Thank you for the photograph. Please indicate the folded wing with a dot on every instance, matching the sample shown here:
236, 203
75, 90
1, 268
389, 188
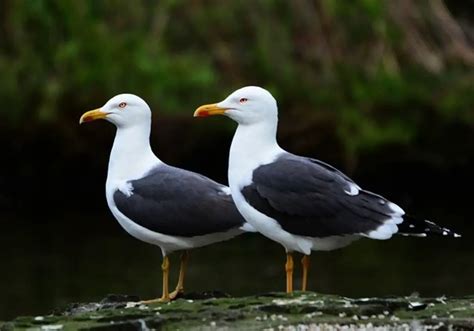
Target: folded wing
310, 198
177, 202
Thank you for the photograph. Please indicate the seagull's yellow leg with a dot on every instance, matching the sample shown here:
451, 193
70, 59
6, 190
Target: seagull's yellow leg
305, 263
165, 267
182, 270
289, 272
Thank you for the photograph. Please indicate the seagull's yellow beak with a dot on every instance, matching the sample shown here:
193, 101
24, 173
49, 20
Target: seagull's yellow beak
92, 115
209, 110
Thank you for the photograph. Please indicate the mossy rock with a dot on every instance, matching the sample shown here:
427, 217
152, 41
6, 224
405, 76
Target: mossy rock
277, 311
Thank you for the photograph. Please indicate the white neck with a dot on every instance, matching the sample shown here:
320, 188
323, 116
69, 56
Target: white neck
131, 156
253, 144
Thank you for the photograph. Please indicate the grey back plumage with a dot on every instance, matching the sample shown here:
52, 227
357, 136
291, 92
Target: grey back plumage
177, 202
310, 198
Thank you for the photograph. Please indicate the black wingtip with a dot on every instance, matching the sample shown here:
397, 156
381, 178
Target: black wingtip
423, 228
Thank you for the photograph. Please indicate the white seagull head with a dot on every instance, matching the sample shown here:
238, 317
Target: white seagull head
248, 105
123, 110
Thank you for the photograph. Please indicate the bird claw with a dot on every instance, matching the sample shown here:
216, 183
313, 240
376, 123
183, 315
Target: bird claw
176, 294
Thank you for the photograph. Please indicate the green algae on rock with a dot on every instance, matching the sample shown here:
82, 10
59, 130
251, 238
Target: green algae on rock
277, 311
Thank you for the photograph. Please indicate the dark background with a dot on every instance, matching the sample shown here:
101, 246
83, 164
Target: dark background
383, 90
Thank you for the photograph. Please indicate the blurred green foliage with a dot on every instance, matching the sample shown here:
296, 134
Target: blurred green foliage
378, 70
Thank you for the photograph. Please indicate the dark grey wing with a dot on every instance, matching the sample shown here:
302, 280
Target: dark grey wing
308, 197
177, 202
331, 169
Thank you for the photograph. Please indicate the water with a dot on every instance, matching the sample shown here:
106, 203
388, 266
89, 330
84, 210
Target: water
82, 257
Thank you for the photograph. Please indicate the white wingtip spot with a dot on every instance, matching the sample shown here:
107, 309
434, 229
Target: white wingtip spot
396, 209
457, 235
422, 235
397, 219
354, 189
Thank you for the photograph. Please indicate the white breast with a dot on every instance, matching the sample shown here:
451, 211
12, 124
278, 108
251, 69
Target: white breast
246, 154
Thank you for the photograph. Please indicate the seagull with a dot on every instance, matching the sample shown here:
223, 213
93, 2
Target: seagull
302, 203
162, 205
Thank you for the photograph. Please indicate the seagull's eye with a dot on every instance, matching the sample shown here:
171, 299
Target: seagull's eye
122, 105
243, 100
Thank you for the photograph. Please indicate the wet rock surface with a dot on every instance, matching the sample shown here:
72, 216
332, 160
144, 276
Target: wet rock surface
277, 311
